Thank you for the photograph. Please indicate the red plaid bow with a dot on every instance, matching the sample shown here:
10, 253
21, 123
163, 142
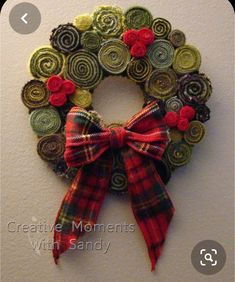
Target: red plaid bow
89, 145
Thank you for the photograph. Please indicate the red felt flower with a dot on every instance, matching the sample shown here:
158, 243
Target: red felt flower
58, 99
171, 119
138, 50
130, 37
187, 112
146, 36
68, 87
183, 124
54, 83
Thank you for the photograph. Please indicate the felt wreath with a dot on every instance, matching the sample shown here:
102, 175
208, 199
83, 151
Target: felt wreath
137, 156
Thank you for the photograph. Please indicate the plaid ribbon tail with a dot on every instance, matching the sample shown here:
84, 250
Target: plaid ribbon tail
81, 204
151, 205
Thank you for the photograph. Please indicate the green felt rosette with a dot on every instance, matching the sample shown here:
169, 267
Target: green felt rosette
161, 27
187, 59
173, 105
114, 56
51, 147
195, 133
161, 84
194, 89
65, 38
45, 121
161, 53
178, 153
82, 67
108, 21
46, 62
177, 38
35, 94
137, 18
91, 41
138, 70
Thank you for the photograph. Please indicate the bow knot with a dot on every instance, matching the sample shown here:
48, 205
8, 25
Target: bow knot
117, 137
87, 146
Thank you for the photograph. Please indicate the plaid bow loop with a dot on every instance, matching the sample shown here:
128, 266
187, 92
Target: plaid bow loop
88, 145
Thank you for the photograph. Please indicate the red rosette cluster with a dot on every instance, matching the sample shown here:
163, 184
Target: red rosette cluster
138, 40
181, 119
59, 89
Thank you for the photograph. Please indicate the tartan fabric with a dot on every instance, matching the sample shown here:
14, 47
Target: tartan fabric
89, 146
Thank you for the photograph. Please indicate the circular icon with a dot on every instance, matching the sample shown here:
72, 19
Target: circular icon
24, 18
208, 257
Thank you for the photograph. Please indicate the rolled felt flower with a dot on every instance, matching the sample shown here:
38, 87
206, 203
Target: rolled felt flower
138, 50
138, 70
194, 89
46, 62
161, 53
58, 99
161, 27
83, 22
202, 113
130, 37
187, 112
137, 18
65, 38
162, 84
146, 36
178, 153
68, 87
118, 181
183, 124
91, 41
175, 135
177, 38
81, 98
108, 21
171, 119
35, 94
173, 104
114, 56
82, 67
45, 121
54, 83
51, 147
195, 132
187, 59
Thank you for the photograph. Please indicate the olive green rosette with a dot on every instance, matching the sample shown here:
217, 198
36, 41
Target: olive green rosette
195, 133
138, 70
161, 27
45, 121
173, 105
161, 53
65, 38
91, 41
137, 18
35, 94
114, 56
194, 89
177, 38
51, 147
46, 62
83, 22
81, 98
162, 84
118, 181
187, 59
108, 21
82, 67
178, 153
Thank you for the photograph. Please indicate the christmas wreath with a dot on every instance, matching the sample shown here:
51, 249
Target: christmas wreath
137, 156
